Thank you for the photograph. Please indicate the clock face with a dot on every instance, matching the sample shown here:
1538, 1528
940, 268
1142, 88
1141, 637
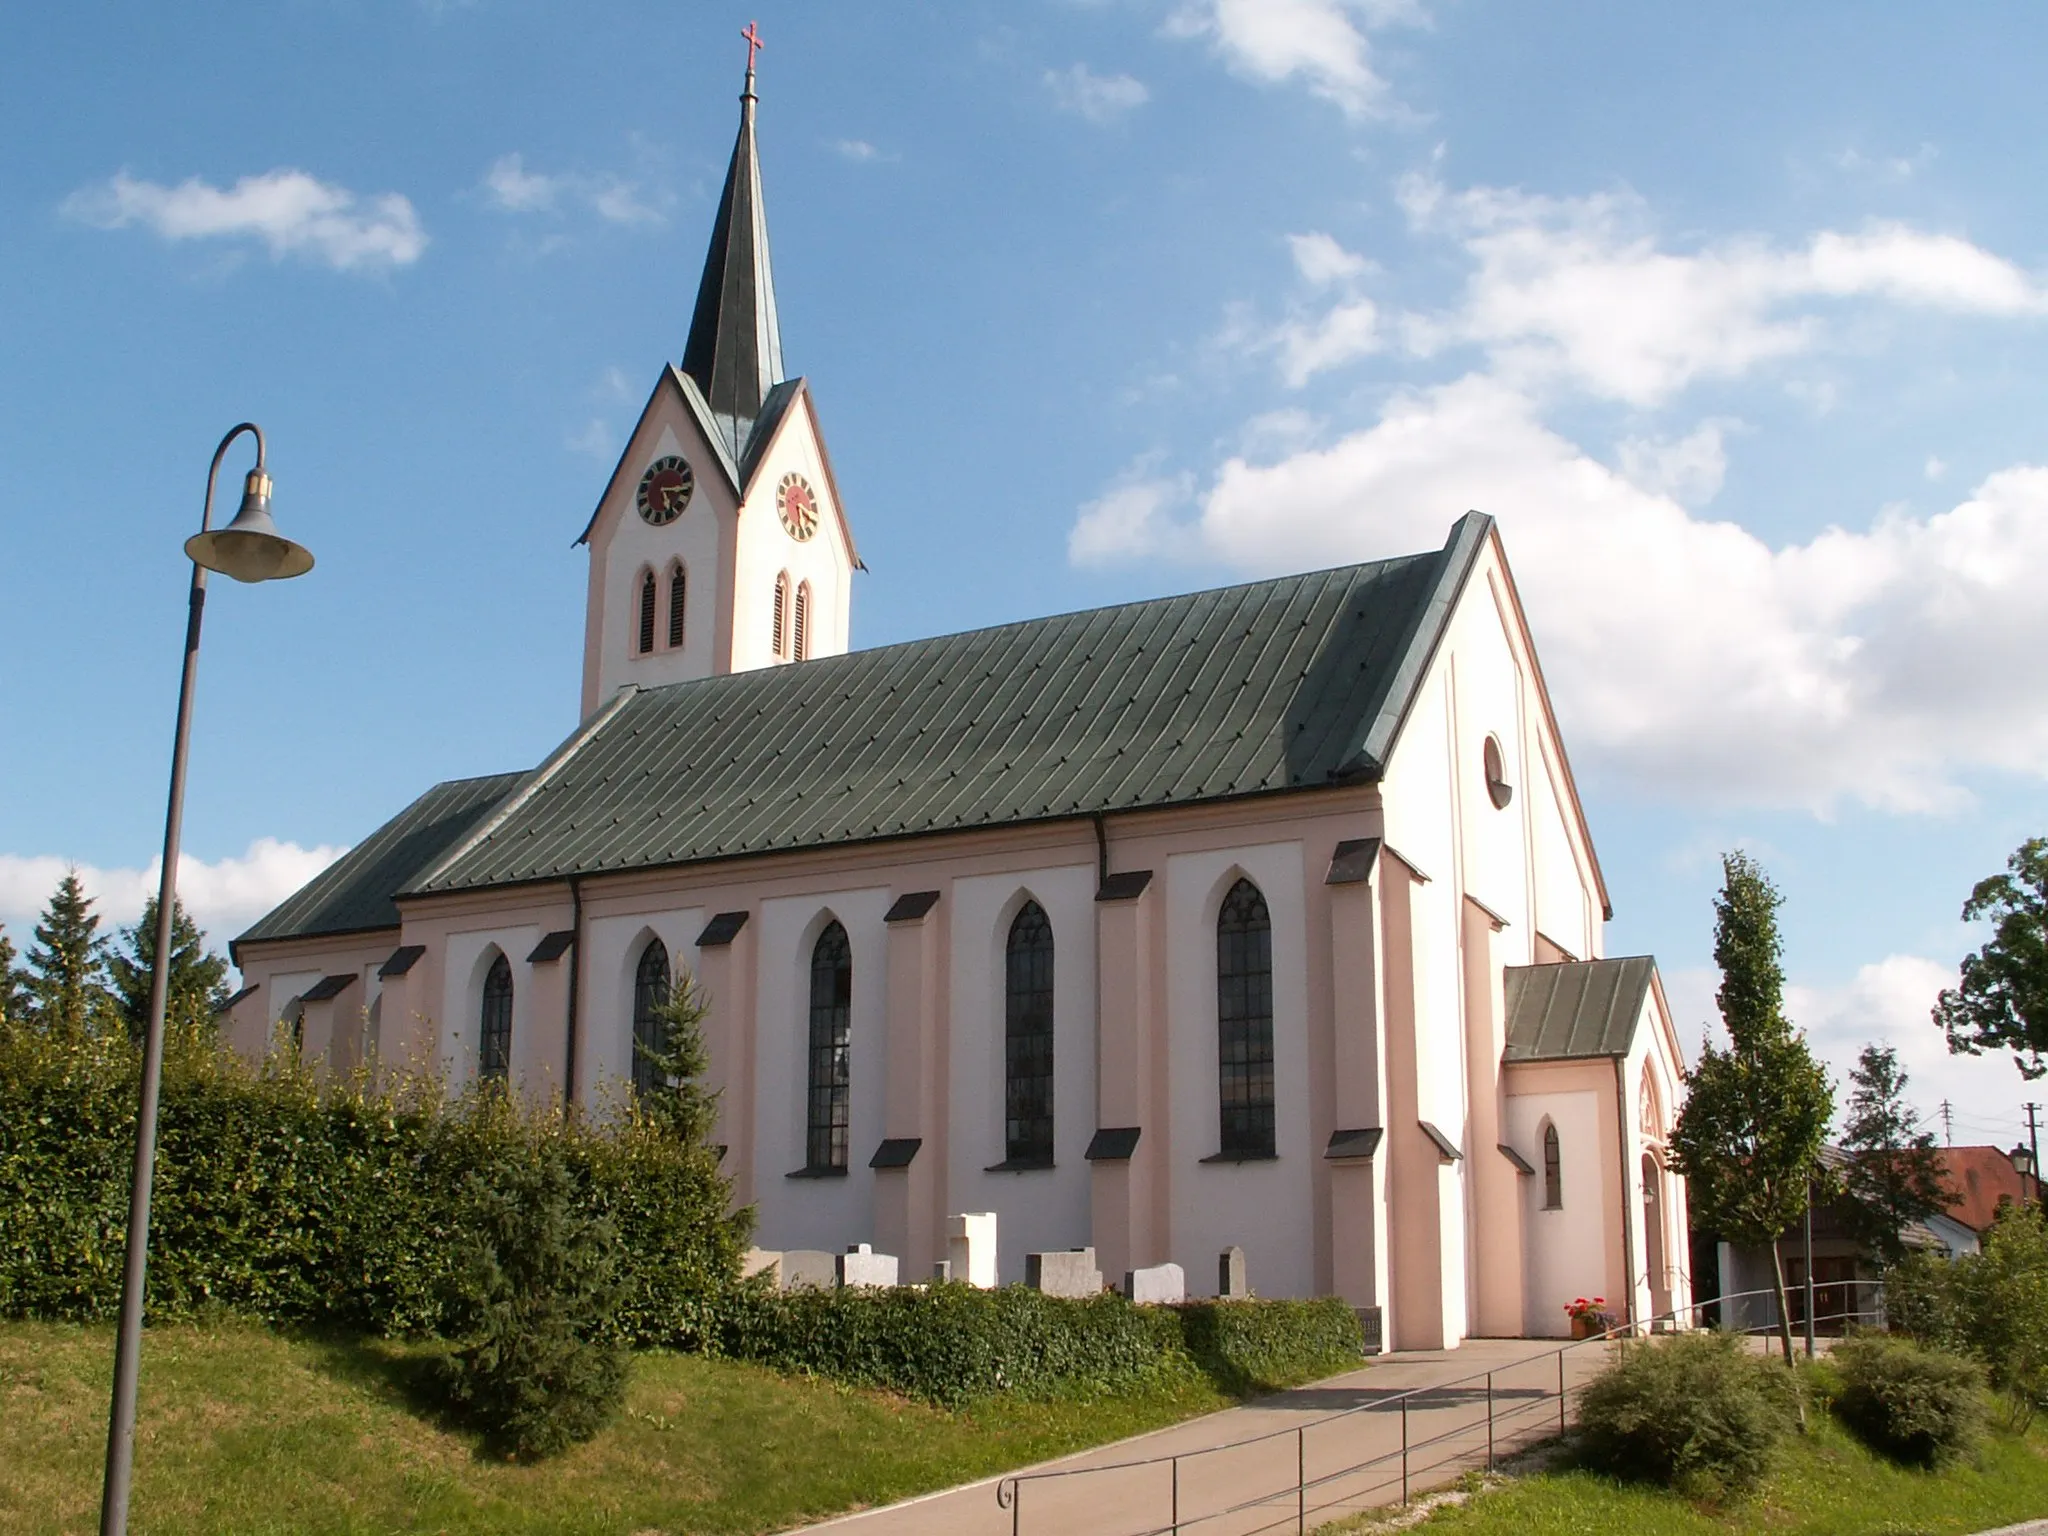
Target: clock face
665, 490
797, 505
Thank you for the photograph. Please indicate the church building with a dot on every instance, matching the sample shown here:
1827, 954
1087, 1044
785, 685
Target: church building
1263, 917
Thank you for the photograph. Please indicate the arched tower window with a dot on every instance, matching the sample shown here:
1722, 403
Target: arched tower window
650, 1029
780, 643
828, 1103
1553, 1169
644, 638
803, 621
1027, 1039
676, 593
494, 1027
1244, 1017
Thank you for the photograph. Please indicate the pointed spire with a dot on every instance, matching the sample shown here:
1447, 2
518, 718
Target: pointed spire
735, 347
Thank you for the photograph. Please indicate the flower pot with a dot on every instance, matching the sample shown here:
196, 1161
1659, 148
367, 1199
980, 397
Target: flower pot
1588, 1326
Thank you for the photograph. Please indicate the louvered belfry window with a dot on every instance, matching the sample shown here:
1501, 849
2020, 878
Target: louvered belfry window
780, 644
803, 621
494, 1027
829, 1106
1027, 1039
1244, 1016
647, 613
675, 607
650, 1029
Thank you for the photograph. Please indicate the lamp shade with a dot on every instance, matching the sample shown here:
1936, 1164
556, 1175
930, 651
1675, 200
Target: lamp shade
250, 548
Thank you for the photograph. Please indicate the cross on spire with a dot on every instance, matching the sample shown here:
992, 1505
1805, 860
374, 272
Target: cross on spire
753, 37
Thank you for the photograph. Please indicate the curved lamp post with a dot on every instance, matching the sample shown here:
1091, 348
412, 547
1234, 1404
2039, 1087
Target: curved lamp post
249, 549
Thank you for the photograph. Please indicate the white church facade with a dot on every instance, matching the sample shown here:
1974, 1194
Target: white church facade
1265, 916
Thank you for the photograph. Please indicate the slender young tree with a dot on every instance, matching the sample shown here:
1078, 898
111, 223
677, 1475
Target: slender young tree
198, 980
14, 992
2001, 1000
1756, 1114
682, 1105
1894, 1173
68, 966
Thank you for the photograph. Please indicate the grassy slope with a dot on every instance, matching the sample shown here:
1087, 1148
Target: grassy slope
245, 1430
1828, 1485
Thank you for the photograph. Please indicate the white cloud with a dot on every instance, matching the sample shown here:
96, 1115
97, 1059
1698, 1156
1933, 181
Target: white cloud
1885, 167
1099, 98
511, 188
1688, 469
1935, 468
594, 439
1579, 289
1322, 41
292, 213
1321, 260
1132, 518
224, 896
860, 151
1342, 334
1686, 655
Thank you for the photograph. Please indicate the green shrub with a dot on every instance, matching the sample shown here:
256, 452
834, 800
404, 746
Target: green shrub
1914, 1404
536, 1366
949, 1344
1698, 1413
1991, 1306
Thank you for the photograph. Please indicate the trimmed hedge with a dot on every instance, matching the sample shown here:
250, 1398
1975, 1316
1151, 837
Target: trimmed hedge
286, 1199
951, 1343
1916, 1405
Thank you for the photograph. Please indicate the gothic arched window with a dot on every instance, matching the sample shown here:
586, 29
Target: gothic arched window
676, 593
1553, 1169
1244, 1019
780, 644
650, 1029
494, 1027
828, 1105
1027, 1039
646, 635
802, 648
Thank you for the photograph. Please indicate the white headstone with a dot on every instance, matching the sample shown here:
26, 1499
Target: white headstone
808, 1266
758, 1261
1230, 1281
1162, 1283
861, 1265
1072, 1273
971, 1248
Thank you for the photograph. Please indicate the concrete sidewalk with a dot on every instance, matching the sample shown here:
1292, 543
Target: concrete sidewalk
1226, 1487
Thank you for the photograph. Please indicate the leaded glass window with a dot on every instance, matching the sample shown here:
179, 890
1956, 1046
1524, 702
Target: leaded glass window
1244, 1015
1027, 1039
494, 1031
1553, 1170
829, 1106
650, 1029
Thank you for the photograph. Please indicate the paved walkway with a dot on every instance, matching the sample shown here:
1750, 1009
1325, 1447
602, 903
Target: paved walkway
1319, 1434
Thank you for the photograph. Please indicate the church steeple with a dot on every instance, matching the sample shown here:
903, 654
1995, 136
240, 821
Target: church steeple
735, 348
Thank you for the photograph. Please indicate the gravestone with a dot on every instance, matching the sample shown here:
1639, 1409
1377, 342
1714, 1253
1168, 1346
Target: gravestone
1072, 1273
971, 1248
860, 1265
758, 1261
1230, 1283
809, 1266
942, 1271
1162, 1283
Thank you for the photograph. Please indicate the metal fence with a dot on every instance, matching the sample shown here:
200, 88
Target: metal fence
1464, 1424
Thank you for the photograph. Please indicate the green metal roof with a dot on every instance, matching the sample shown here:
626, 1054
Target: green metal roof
353, 894
1582, 1008
1272, 686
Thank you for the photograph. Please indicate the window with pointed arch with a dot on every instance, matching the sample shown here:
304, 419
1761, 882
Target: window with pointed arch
1027, 1039
828, 1110
1553, 1169
650, 1028
802, 647
780, 643
677, 591
1244, 1022
494, 1026
644, 638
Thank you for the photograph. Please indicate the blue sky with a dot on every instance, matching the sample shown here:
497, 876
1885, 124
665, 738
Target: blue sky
1733, 319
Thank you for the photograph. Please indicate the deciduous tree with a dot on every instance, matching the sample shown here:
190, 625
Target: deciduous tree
2001, 1001
1756, 1114
1894, 1174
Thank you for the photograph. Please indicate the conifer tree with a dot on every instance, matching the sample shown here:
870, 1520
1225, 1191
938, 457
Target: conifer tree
1749, 1138
685, 1109
68, 965
198, 980
1894, 1174
14, 993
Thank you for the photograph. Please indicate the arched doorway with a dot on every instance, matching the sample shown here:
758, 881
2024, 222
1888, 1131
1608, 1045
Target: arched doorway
1654, 1260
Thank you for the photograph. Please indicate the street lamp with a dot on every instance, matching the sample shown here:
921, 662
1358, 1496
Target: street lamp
249, 549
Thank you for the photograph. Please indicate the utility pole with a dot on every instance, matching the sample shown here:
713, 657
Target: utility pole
2034, 1144
1948, 1123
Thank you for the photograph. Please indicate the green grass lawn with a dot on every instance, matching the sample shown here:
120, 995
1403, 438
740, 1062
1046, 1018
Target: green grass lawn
1827, 1485
247, 1430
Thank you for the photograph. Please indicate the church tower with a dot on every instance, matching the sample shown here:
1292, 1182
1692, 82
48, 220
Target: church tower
719, 544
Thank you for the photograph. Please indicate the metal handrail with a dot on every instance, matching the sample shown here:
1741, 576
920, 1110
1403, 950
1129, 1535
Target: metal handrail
1010, 1488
